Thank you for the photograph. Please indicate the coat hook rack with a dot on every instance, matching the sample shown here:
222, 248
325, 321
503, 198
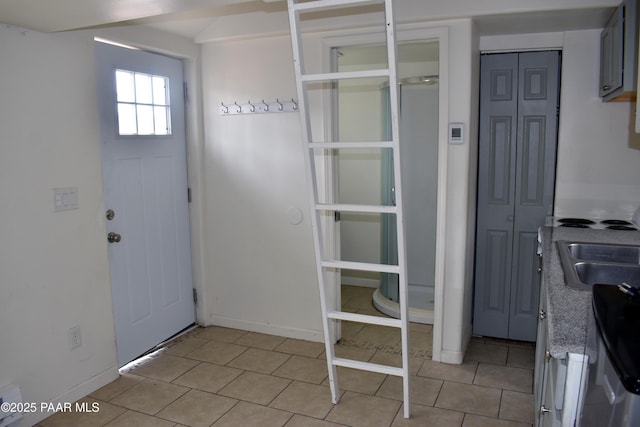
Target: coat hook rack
263, 106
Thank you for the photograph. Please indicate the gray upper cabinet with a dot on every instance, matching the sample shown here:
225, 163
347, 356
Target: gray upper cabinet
618, 50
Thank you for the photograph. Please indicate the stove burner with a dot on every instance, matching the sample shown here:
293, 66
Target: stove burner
578, 221
574, 225
621, 227
615, 222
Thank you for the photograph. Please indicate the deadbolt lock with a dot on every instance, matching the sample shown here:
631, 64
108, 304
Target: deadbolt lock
110, 214
113, 237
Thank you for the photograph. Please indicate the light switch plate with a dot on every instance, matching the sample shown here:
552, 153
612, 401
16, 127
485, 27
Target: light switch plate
65, 199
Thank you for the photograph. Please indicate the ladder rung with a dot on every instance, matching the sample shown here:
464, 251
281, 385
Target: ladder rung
331, 4
367, 366
357, 208
375, 144
323, 77
362, 266
364, 318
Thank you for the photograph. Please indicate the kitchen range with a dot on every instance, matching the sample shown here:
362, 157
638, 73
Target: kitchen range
586, 364
612, 395
597, 224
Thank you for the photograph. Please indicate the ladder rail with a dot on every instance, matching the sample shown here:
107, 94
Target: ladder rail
372, 367
296, 41
365, 318
322, 265
338, 145
361, 266
331, 4
344, 207
403, 291
327, 77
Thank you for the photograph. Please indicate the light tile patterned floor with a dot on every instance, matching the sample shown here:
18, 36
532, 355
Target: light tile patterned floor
225, 377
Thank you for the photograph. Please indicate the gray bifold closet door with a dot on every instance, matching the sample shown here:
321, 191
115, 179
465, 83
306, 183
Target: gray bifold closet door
519, 102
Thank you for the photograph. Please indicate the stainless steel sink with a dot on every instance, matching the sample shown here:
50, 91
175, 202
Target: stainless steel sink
591, 273
585, 264
604, 252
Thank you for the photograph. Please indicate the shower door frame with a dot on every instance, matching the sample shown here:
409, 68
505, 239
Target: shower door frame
388, 281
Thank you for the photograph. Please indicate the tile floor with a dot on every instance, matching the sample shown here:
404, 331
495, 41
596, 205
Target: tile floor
226, 377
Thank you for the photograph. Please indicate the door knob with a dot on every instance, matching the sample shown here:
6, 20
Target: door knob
113, 237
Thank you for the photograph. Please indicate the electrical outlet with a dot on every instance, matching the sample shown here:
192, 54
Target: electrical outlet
75, 338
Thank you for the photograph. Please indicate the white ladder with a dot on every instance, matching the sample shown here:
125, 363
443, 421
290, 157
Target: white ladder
322, 264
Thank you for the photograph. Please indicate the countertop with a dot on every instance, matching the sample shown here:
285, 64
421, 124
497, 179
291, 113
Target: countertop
568, 309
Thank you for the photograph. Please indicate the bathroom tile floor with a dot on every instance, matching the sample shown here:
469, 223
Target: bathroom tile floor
226, 377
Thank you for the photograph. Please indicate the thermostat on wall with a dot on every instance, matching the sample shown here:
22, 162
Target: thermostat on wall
456, 133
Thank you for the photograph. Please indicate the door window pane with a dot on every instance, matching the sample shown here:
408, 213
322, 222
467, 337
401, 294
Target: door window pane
145, 120
143, 89
161, 119
124, 86
127, 119
142, 104
160, 91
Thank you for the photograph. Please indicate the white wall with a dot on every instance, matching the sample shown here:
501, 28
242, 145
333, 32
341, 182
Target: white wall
598, 173
54, 271
456, 304
261, 268
597, 170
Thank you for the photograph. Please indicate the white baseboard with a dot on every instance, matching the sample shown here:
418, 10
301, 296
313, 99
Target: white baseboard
76, 393
457, 357
453, 357
360, 281
281, 331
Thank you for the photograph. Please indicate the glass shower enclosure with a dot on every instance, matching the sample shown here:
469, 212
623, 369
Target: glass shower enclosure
419, 150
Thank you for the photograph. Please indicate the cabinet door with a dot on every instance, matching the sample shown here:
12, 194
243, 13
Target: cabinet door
611, 53
550, 412
541, 346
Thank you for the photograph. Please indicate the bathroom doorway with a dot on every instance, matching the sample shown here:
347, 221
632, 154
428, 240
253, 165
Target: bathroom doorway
366, 176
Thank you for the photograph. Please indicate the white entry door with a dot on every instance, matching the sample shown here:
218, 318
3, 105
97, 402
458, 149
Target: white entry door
146, 196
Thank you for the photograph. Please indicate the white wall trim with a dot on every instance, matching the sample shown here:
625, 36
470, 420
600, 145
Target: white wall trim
522, 42
76, 393
441, 230
264, 328
360, 281
452, 357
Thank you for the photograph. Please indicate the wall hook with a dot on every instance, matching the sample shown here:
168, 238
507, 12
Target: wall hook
239, 107
226, 109
252, 107
280, 106
295, 104
266, 106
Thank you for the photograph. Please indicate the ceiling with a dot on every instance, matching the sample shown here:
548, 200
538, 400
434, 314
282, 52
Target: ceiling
189, 18
61, 15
